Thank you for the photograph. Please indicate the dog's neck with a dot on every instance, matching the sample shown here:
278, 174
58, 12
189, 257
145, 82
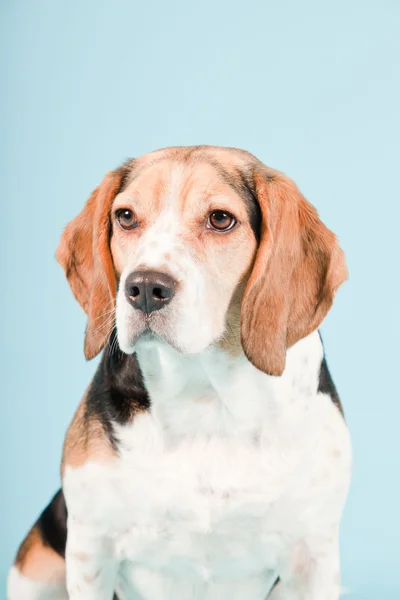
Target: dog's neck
215, 392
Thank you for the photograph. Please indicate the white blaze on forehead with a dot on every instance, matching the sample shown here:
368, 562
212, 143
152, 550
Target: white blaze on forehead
174, 187
160, 244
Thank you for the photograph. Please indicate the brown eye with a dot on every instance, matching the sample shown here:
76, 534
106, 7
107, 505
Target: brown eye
126, 218
221, 220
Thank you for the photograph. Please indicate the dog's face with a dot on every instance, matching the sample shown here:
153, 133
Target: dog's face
182, 243
198, 246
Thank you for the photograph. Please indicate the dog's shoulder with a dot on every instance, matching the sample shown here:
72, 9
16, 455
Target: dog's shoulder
115, 395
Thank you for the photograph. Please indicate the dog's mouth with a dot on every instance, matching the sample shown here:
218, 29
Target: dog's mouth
148, 336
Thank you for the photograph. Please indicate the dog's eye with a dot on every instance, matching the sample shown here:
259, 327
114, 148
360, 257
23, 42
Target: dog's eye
221, 220
126, 218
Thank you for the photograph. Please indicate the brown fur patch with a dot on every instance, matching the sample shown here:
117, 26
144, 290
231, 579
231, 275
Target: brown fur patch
298, 268
85, 440
84, 253
38, 561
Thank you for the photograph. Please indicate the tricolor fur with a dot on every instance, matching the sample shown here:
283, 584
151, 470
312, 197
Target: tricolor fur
209, 458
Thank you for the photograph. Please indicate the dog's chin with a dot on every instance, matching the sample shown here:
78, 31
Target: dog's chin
149, 337
145, 339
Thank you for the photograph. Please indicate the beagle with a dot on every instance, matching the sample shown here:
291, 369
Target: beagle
209, 458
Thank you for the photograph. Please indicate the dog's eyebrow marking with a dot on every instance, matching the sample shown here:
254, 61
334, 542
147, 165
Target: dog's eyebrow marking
243, 185
126, 171
132, 168
247, 192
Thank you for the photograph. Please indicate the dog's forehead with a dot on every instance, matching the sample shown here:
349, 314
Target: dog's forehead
169, 180
183, 177
227, 158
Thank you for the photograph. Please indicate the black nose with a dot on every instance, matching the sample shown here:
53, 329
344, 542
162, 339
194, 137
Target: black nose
149, 290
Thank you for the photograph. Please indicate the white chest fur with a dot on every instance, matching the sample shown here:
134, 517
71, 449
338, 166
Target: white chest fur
216, 484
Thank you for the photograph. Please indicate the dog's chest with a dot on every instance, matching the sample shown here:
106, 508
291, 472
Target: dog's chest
199, 498
202, 516
209, 490
201, 504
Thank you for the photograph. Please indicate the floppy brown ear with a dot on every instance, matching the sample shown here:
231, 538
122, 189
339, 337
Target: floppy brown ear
297, 270
84, 253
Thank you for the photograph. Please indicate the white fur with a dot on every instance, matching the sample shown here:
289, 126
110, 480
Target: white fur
20, 587
231, 478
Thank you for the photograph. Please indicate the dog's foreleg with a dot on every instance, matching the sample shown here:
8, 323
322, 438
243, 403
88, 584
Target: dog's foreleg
90, 564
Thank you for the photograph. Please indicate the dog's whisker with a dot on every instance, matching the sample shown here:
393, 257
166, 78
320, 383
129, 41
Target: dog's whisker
114, 345
104, 325
105, 313
113, 329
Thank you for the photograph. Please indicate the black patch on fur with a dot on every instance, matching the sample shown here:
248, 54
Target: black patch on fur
52, 524
325, 382
117, 391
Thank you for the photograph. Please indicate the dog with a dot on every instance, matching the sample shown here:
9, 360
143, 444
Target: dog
209, 458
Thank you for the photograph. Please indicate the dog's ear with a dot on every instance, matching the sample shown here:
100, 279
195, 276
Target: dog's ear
84, 253
297, 270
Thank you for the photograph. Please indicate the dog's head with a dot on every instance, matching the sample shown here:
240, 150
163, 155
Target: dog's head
201, 246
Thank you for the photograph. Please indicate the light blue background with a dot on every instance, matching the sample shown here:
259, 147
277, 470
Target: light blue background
310, 87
